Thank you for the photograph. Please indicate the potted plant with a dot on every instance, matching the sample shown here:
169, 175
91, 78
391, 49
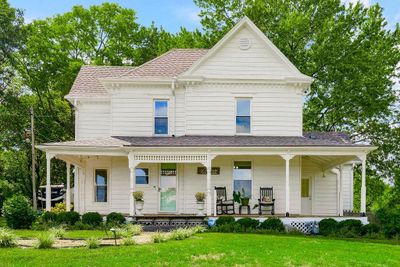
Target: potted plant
138, 196
200, 196
240, 198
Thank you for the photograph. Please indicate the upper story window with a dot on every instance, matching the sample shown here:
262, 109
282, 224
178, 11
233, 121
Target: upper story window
160, 116
243, 117
100, 181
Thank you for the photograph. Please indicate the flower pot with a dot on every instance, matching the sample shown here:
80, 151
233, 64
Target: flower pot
244, 201
200, 208
139, 207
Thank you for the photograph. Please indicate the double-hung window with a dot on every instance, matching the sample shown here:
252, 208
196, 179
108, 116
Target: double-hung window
243, 117
100, 181
142, 175
242, 178
161, 117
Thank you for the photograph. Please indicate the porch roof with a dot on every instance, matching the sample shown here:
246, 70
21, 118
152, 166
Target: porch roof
309, 139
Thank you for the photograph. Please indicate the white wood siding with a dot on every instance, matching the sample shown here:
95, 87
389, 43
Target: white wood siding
259, 61
348, 187
267, 171
275, 110
93, 120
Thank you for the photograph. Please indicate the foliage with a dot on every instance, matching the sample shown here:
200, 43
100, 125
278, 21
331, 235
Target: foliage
7, 238
82, 226
240, 198
160, 237
348, 228
224, 220
138, 195
128, 241
200, 196
45, 240
327, 226
18, 212
92, 243
129, 230
369, 229
58, 232
274, 224
389, 218
182, 233
49, 217
69, 218
92, 218
115, 219
248, 223
6, 190
59, 207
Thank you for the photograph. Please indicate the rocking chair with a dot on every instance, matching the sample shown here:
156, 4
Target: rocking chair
266, 199
224, 205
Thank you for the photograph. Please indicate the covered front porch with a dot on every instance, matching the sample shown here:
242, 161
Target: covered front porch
305, 181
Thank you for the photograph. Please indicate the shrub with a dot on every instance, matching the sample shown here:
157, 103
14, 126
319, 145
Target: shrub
18, 212
327, 227
228, 228
115, 218
199, 229
200, 196
159, 237
58, 232
128, 241
92, 243
7, 238
82, 226
134, 229
390, 221
273, 224
248, 223
59, 207
224, 220
182, 233
45, 240
49, 217
92, 218
370, 229
349, 228
68, 217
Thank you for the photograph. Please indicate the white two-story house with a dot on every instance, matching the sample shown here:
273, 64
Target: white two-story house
191, 120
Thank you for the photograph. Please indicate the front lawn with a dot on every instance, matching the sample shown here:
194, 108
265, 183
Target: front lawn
217, 249
74, 234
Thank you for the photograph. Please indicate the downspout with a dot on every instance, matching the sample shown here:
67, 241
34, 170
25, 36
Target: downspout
339, 191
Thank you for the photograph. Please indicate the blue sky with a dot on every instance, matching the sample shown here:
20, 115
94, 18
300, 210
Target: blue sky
171, 14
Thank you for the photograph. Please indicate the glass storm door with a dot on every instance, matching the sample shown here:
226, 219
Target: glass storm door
168, 187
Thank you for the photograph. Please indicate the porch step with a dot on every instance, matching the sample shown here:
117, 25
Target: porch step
151, 223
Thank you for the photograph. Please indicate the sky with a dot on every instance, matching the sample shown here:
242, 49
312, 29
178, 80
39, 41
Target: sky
171, 14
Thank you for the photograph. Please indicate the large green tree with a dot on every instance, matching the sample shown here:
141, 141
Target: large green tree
350, 52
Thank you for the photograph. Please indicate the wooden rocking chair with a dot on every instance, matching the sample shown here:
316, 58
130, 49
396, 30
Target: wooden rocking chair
266, 199
224, 205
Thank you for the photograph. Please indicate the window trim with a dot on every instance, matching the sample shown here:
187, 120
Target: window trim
154, 116
148, 176
250, 115
252, 175
95, 186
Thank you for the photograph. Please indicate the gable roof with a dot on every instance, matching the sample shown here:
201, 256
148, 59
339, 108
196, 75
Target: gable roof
87, 82
246, 22
170, 64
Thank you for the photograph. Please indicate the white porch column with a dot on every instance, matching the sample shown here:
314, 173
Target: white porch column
68, 192
76, 188
132, 182
363, 205
49, 156
208, 166
341, 191
287, 158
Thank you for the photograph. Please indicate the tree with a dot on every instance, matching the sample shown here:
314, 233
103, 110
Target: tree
350, 53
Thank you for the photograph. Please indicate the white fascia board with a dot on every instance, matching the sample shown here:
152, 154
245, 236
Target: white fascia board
75, 150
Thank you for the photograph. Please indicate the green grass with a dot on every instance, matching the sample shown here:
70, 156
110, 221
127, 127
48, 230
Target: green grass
75, 234
217, 249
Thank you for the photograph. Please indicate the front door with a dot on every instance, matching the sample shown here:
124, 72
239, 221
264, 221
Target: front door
167, 187
306, 198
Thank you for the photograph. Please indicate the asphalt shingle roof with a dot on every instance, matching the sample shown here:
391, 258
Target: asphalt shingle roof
168, 65
309, 139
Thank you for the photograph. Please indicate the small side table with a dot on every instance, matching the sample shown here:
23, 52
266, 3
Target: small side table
246, 206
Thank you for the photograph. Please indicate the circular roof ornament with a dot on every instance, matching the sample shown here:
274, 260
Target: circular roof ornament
244, 43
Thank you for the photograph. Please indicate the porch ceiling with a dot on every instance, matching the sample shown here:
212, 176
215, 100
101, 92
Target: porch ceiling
328, 162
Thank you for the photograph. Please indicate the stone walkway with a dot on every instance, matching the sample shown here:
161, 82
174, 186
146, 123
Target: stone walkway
68, 243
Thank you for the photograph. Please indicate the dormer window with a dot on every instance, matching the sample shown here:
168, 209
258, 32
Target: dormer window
243, 117
160, 117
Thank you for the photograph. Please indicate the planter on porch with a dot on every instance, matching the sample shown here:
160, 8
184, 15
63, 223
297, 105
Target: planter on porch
139, 202
200, 197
